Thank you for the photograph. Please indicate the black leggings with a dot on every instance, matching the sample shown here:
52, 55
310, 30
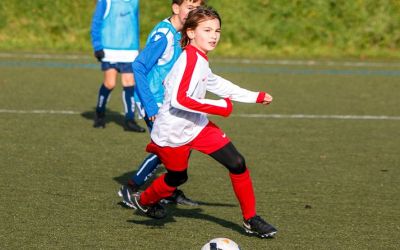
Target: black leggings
227, 156
175, 178
230, 158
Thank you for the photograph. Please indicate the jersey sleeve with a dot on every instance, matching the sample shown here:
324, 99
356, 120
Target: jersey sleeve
181, 100
227, 89
142, 65
97, 22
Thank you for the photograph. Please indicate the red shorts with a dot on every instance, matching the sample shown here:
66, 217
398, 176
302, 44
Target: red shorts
210, 139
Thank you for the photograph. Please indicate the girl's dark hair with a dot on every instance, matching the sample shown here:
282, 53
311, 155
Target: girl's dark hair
195, 17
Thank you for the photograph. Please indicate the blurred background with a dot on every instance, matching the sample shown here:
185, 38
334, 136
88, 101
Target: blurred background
363, 29
324, 156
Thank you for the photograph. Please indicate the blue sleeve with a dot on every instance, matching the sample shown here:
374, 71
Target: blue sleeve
142, 65
97, 22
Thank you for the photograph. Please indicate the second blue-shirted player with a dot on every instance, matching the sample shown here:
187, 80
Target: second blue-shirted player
115, 40
150, 69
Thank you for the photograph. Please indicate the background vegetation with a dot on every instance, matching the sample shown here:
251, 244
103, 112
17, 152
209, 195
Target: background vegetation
257, 28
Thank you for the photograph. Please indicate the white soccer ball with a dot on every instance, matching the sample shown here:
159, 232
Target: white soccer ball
221, 244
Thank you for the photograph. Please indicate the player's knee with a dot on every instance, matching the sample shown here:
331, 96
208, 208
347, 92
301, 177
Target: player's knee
175, 179
127, 80
239, 165
128, 83
109, 85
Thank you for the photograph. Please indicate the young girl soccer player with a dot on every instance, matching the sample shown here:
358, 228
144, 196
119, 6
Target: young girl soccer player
182, 125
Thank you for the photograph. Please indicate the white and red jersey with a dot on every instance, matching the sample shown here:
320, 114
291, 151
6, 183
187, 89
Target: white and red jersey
184, 111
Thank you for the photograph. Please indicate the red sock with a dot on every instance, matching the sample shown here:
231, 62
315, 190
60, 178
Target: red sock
156, 191
243, 188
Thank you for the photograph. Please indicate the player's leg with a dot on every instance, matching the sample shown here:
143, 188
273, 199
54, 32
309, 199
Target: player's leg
110, 77
144, 172
148, 202
148, 167
176, 162
214, 142
240, 178
163, 187
243, 188
127, 80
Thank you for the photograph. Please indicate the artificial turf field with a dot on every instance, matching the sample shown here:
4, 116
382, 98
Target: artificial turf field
324, 158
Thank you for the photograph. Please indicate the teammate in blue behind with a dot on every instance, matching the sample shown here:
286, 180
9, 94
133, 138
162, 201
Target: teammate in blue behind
115, 40
150, 68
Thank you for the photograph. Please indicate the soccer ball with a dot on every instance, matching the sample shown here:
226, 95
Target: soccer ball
221, 244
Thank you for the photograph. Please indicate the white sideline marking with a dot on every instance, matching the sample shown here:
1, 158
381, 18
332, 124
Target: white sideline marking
304, 116
242, 61
44, 56
271, 116
58, 112
309, 63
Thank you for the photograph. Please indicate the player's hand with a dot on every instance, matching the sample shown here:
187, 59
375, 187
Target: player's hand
152, 118
99, 54
267, 99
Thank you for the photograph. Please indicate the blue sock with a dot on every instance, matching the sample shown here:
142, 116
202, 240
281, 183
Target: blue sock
146, 169
102, 99
129, 102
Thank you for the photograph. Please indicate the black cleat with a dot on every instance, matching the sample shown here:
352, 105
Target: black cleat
256, 225
131, 125
156, 211
178, 197
125, 192
99, 120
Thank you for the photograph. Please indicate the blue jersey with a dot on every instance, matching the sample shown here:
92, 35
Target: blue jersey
154, 63
115, 29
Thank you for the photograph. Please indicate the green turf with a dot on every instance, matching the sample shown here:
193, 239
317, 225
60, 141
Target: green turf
325, 183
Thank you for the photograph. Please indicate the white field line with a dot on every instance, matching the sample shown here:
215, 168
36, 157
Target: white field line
44, 56
51, 112
221, 60
262, 116
310, 63
319, 117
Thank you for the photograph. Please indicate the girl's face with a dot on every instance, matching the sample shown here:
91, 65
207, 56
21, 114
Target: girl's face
206, 35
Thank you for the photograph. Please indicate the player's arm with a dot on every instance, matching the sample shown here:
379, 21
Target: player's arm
96, 26
182, 100
142, 65
227, 89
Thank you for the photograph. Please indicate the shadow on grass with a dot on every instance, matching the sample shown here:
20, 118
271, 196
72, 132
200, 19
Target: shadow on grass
111, 117
194, 213
123, 179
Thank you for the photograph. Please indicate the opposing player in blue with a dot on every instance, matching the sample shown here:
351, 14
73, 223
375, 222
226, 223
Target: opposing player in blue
150, 69
115, 40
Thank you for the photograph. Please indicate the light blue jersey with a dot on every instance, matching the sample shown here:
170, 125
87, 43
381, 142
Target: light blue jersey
115, 29
154, 63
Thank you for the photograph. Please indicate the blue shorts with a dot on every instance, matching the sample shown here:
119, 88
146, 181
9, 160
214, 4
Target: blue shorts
120, 67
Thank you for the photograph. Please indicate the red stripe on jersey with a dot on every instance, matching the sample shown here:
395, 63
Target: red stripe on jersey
185, 100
